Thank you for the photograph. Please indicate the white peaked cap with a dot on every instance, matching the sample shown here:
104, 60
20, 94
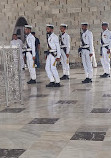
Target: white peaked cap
28, 26
64, 25
84, 23
105, 23
50, 25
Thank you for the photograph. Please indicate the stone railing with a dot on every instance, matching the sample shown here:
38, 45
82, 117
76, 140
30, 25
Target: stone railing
10, 76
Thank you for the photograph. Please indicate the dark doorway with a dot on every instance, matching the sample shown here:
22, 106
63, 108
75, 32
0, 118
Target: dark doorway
19, 28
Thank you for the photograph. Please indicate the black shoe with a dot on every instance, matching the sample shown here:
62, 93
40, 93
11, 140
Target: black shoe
90, 80
67, 77
105, 75
23, 68
63, 77
51, 84
31, 82
86, 80
57, 85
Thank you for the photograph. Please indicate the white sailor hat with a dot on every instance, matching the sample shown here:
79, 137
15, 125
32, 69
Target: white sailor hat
64, 25
28, 26
105, 23
50, 25
84, 23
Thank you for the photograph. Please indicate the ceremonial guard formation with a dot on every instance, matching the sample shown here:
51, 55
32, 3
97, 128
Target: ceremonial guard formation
58, 50
64, 40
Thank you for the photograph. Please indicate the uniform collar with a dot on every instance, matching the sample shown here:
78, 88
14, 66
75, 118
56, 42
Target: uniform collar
63, 33
105, 30
85, 31
51, 34
29, 34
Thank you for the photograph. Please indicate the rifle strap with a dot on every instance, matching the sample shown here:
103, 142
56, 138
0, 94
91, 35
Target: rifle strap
102, 42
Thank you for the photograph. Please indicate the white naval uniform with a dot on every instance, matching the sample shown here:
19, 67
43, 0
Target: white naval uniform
88, 39
30, 62
19, 43
105, 60
51, 69
64, 60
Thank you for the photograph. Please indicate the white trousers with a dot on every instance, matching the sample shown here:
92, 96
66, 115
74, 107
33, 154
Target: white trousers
51, 69
86, 60
93, 59
30, 64
65, 63
105, 61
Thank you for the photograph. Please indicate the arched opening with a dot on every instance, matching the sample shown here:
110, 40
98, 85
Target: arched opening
19, 28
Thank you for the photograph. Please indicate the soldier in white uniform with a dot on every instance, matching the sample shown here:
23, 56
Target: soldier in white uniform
105, 50
87, 50
64, 40
53, 55
30, 53
19, 43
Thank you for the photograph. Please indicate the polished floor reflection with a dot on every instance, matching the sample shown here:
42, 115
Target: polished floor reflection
73, 121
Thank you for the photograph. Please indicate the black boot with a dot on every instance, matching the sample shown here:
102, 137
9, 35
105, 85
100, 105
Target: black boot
31, 82
51, 84
57, 85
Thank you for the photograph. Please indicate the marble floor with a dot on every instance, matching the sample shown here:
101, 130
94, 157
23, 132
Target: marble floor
73, 121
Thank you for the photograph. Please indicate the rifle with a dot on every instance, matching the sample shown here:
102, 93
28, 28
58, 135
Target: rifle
102, 42
83, 44
62, 44
80, 48
49, 48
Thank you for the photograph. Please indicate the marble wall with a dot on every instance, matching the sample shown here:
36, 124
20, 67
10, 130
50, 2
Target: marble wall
40, 12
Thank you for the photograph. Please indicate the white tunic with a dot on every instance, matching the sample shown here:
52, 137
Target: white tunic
88, 39
31, 43
106, 37
54, 44
66, 42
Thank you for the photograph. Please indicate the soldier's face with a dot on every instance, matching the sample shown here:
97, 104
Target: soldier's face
62, 29
104, 27
49, 30
27, 31
84, 27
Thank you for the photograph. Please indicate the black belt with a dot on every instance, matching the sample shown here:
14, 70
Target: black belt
53, 54
107, 47
24, 52
86, 48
